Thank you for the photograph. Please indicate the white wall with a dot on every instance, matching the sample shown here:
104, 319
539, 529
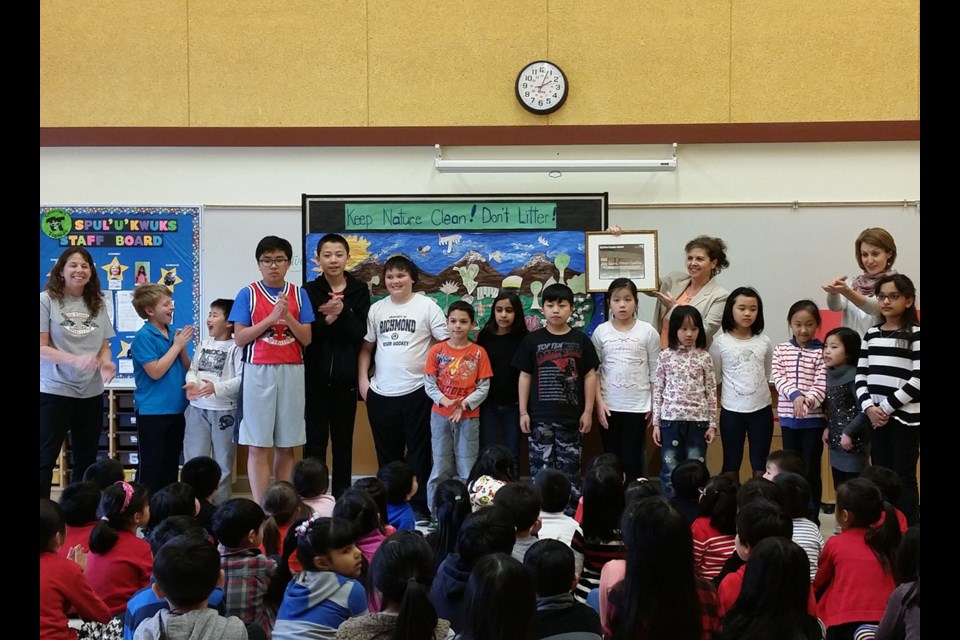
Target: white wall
788, 252
277, 176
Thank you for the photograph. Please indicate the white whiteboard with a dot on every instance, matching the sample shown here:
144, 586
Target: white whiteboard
784, 253
228, 243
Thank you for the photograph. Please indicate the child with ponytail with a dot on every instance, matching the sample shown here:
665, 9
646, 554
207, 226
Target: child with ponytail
401, 575
120, 563
855, 575
316, 601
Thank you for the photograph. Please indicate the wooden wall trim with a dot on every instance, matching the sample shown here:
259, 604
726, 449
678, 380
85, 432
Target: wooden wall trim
764, 132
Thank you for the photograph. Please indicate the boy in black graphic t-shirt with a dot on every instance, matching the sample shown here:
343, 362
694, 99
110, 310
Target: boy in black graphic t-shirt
558, 380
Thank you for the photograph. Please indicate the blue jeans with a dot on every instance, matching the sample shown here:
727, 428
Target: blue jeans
681, 440
501, 422
455, 447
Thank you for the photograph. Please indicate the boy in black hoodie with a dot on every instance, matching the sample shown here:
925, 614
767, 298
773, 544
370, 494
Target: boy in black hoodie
489, 530
341, 303
559, 614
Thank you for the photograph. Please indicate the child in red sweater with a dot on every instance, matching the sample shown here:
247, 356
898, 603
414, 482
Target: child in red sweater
120, 563
855, 575
79, 502
714, 531
63, 586
756, 520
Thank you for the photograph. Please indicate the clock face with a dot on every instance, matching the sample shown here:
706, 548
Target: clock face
542, 87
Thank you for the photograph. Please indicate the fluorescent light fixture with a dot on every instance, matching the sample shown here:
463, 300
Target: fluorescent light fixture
554, 166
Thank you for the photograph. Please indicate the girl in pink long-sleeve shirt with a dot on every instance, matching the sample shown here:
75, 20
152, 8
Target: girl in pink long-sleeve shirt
684, 395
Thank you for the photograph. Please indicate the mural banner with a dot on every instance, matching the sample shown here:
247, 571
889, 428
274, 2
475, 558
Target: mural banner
467, 247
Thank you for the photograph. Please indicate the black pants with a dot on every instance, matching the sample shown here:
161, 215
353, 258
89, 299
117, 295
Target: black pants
626, 437
809, 444
897, 446
839, 477
844, 631
401, 431
83, 418
330, 413
735, 427
161, 444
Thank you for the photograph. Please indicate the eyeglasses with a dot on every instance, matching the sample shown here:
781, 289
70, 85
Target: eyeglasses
892, 297
269, 262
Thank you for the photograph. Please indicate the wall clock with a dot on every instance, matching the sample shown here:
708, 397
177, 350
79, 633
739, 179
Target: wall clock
542, 87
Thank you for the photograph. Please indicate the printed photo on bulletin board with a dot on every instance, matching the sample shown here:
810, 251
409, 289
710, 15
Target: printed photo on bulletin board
469, 247
130, 246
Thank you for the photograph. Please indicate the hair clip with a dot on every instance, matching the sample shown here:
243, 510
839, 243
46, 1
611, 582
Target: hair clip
305, 528
127, 493
458, 498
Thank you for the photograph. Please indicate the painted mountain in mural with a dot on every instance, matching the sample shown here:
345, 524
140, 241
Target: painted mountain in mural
540, 268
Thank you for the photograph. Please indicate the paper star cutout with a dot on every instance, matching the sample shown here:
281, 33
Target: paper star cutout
124, 349
109, 268
169, 278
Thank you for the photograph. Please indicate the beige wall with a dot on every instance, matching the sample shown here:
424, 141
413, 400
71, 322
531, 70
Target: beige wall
273, 63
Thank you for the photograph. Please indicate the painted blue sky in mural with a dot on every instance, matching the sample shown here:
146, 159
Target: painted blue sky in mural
504, 250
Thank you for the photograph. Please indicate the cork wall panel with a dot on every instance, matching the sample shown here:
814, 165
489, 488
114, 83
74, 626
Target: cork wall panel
113, 63
278, 63
642, 62
420, 63
452, 63
825, 60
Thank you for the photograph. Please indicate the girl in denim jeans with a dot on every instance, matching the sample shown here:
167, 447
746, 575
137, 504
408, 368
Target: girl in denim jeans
684, 395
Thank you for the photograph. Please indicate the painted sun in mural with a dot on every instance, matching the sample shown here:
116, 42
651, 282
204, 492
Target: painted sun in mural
359, 251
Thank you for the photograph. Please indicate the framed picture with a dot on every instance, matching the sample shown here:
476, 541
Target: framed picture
632, 254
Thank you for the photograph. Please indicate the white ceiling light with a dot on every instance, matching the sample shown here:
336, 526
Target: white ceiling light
554, 166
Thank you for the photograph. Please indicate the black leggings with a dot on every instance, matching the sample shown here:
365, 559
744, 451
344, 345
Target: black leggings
897, 446
735, 427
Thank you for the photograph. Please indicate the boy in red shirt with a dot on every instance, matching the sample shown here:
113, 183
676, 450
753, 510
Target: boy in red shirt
457, 378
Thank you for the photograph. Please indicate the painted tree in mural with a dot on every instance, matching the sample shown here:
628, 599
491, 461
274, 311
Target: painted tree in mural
561, 262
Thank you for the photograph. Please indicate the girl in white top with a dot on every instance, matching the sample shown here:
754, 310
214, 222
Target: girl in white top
742, 360
876, 252
626, 347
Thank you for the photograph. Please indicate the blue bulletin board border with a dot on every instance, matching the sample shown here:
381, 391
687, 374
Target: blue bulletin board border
130, 245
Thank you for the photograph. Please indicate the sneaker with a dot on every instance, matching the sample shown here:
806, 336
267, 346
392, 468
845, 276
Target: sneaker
423, 519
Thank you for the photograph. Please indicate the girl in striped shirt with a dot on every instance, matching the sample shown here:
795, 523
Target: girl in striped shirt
888, 385
800, 378
716, 528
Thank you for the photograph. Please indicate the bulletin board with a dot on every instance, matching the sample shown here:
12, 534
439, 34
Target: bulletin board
467, 247
130, 246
